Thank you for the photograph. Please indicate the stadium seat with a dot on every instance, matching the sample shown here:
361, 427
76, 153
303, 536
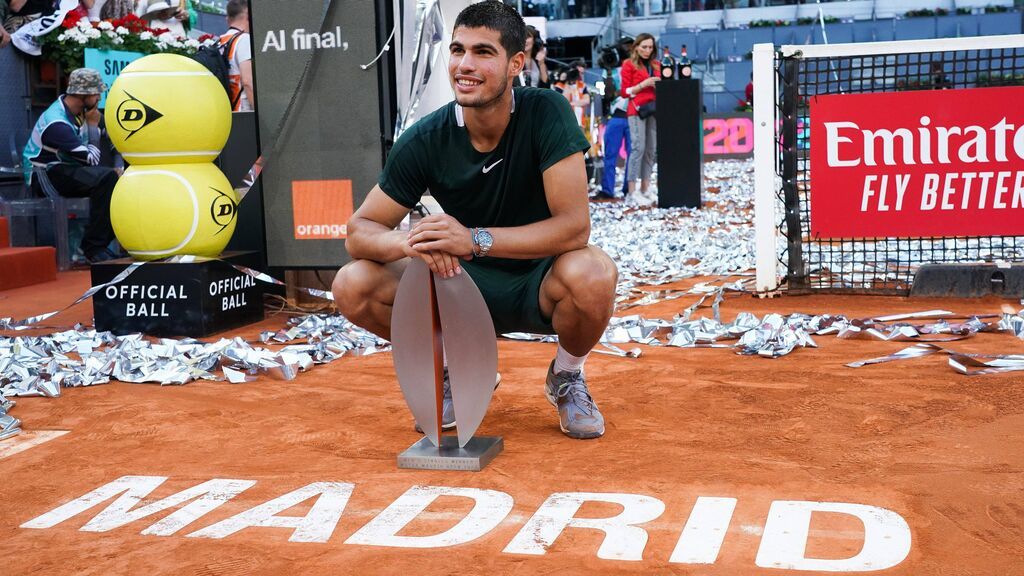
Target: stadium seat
19, 205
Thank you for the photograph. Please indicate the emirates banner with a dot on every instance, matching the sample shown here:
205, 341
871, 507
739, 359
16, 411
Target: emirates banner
913, 164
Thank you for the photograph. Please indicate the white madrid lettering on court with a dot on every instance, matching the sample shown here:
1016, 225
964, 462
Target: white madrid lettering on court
316, 526
202, 499
784, 544
623, 540
489, 509
705, 530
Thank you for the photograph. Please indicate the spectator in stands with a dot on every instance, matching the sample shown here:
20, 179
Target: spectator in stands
575, 90
535, 71
94, 9
113, 9
616, 129
639, 73
162, 14
21, 12
61, 143
5, 38
939, 79
237, 46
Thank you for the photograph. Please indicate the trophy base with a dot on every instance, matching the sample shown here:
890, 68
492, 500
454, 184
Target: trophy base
423, 455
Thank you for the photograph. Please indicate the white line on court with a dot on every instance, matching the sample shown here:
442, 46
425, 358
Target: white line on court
27, 440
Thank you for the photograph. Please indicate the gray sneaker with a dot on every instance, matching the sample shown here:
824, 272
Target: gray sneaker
578, 414
447, 406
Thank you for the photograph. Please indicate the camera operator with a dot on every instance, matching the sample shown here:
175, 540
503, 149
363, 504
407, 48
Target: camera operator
535, 71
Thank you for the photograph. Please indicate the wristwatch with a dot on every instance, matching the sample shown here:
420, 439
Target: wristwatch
482, 241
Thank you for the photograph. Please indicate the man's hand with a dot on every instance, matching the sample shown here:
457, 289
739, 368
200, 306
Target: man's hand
441, 241
444, 233
5, 38
93, 116
441, 263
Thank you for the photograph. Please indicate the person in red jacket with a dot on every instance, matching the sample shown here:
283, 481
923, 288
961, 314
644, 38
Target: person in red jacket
639, 74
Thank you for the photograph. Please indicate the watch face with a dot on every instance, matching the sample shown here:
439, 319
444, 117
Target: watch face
485, 238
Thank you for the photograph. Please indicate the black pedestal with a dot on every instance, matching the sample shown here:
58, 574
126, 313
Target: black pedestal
235, 161
181, 299
680, 143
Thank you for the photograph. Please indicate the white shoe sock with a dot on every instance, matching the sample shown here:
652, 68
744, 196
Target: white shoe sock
565, 362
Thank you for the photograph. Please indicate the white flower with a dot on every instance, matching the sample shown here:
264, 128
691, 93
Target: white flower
93, 33
84, 24
104, 25
166, 38
192, 43
146, 35
117, 41
62, 36
110, 34
122, 31
76, 35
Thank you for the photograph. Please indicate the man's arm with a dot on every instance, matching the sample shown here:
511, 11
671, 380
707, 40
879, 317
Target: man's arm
568, 228
245, 69
371, 229
62, 137
372, 235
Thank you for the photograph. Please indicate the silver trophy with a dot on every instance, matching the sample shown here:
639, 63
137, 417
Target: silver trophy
432, 315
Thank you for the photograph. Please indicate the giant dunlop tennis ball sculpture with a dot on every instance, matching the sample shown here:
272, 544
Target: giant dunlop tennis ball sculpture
163, 210
169, 117
167, 109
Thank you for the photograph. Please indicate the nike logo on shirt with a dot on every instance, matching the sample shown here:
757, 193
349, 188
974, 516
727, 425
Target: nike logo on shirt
488, 168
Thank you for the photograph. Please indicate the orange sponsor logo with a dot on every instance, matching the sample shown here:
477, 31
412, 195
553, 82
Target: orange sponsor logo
321, 209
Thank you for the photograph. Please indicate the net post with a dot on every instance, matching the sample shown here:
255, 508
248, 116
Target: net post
765, 163
796, 275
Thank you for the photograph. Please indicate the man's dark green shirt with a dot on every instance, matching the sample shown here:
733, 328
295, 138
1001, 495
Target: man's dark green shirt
500, 188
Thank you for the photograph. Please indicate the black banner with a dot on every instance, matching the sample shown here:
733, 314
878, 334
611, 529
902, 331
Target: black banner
319, 122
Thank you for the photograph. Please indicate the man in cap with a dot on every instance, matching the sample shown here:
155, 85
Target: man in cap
65, 141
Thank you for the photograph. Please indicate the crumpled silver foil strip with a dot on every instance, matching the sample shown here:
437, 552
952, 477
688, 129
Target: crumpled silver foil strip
11, 324
969, 364
776, 335
43, 365
915, 351
9, 425
653, 246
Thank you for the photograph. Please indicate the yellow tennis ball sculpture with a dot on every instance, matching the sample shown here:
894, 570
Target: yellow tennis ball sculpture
162, 210
166, 108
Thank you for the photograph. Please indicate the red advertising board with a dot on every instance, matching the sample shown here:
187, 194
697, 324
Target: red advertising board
913, 164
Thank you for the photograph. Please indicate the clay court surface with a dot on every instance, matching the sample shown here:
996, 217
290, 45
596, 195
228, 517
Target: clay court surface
942, 450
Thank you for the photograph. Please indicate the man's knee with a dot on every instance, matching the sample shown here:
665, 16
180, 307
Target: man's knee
589, 275
355, 285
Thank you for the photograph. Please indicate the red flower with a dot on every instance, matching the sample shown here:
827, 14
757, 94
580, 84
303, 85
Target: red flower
133, 23
71, 19
159, 31
205, 37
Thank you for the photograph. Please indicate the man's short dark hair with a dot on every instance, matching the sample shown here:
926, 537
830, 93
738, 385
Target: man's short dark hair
237, 8
501, 18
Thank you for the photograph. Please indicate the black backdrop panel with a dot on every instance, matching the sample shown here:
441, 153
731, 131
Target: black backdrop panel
327, 156
680, 143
